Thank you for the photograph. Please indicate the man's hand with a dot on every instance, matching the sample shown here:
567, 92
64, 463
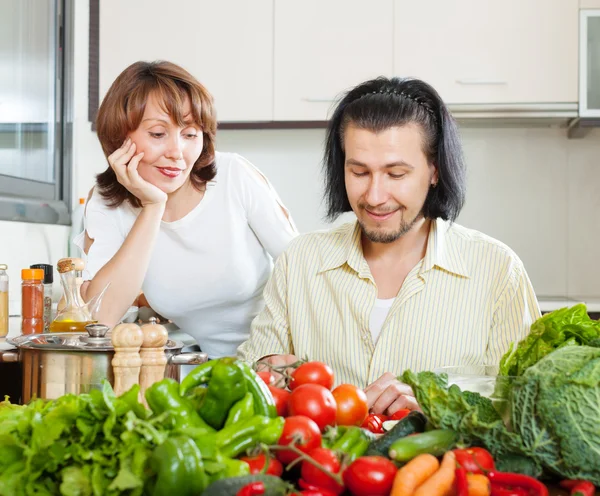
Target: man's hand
277, 361
387, 395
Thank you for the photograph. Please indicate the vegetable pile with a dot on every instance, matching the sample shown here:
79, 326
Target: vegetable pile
228, 430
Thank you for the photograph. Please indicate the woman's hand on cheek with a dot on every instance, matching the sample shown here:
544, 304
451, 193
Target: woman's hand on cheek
125, 162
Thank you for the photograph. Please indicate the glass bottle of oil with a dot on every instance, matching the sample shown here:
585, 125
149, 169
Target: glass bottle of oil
75, 315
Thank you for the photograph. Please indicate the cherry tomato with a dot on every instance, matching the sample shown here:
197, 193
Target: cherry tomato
266, 376
475, 460
370, 476
400, 414
281, 397
315, 402
257, 464
304, 431
374, 423
312, 373
312, 475
352, 405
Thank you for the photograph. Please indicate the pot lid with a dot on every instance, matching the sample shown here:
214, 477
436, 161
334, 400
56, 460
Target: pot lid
97, 338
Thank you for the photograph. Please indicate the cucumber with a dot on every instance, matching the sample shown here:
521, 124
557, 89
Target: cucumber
274, 486
435, 443
413, 423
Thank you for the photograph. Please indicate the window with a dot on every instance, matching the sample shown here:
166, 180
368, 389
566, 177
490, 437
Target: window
35, 78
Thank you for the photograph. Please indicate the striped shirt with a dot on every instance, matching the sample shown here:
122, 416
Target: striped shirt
462, 304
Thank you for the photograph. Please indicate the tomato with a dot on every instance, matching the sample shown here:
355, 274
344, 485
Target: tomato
315, 402
352, 405
374, 423
266, 376
312, 475
400, 414
370, 476
304, 431
475, 460
312, 373
257, 464
281, 397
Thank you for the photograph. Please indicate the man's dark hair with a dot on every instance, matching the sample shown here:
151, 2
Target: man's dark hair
380, 104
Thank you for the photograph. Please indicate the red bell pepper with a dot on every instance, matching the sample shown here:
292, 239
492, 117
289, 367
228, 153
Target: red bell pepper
510, 481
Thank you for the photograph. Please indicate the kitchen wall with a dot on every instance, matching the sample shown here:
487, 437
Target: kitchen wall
534, 189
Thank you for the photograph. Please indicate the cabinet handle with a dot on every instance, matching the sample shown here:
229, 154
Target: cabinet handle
481, 82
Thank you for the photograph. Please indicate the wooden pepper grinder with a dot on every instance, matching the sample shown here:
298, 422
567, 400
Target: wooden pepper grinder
126, 339
153, 356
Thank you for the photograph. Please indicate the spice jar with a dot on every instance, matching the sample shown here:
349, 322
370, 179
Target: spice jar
32, 301
3, 300
48, 280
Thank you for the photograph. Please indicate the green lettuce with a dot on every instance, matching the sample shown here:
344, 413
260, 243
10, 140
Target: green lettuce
565, 327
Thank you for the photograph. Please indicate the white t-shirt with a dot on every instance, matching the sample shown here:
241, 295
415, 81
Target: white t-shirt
208, 269
378, 316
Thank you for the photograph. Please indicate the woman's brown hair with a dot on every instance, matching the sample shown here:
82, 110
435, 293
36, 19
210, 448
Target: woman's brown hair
123, 107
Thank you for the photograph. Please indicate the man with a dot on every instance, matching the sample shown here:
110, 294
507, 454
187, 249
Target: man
404, 287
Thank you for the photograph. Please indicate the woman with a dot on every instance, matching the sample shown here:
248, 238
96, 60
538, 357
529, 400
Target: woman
192, 228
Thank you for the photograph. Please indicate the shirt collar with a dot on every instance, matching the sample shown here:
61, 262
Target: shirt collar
441, 252
346, 249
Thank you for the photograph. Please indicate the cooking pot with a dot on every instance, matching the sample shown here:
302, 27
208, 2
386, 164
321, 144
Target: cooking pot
55, 364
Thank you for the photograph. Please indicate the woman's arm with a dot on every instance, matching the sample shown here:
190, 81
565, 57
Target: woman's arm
126, 269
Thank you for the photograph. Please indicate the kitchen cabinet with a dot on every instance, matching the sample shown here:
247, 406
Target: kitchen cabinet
323, 48
227, 45
490, 52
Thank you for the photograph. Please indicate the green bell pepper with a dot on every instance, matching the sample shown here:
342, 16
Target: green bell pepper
226, 386
200, 375
178, 466
243, 409
237, 438
264, 404
163, 396
235, 468
272, 432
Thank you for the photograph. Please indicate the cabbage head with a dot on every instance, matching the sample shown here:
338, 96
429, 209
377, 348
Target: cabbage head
555, 407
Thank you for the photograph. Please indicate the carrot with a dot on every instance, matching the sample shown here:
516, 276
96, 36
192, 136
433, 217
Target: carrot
413, 474
479, 485
440, 483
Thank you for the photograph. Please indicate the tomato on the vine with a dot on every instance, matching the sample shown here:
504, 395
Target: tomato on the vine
315, 402
301, 430
315, 476
266, 376
312, 373
281, 397
257, 465
352, 405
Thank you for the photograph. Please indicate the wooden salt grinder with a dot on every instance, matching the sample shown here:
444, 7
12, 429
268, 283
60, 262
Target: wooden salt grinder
126, 339
153, 356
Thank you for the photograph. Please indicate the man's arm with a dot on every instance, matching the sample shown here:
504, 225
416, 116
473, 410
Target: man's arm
270, 334
516, 309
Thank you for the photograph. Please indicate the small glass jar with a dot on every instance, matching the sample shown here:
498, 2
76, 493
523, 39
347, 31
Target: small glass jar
48, 280
32, 301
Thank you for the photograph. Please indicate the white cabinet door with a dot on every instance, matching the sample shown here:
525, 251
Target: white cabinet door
490, 51
323, 48
226, 44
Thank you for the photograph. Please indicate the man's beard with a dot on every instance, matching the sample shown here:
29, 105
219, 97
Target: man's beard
378, 236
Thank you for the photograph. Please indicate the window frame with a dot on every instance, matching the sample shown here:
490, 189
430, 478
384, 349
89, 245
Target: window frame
28, 200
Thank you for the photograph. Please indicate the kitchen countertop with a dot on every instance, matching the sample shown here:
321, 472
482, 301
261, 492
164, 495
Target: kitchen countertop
550, 303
